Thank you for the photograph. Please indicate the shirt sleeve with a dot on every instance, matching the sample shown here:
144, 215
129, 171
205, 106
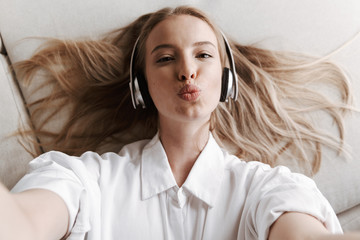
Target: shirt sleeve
276, 191
71, 179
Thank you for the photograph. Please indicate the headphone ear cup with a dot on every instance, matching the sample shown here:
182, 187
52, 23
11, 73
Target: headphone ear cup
226, 84
144, 91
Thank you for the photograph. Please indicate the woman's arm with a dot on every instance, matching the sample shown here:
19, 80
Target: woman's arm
296, 226
33, 214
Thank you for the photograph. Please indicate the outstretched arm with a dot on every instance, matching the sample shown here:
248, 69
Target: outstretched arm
292, 225
33, 214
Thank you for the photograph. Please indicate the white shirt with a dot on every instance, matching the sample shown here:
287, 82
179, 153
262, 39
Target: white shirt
133, 194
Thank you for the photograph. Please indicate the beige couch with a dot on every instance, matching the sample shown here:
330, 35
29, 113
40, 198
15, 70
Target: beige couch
315, 27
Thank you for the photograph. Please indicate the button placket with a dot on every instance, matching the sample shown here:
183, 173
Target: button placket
176, 201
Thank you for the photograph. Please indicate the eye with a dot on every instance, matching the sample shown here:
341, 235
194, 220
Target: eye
165, 59
203, 55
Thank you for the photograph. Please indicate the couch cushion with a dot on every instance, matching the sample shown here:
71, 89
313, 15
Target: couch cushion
350, 219
14, 158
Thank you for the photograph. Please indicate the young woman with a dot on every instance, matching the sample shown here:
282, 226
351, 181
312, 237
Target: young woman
181, 184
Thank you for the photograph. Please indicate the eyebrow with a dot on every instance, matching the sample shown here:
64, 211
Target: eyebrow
172, 46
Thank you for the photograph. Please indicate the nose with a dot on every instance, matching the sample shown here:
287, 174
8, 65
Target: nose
187, 70
187, 76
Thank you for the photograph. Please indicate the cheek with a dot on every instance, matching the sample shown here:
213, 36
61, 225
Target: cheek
152, 84
154, 89
214, 81
157, 85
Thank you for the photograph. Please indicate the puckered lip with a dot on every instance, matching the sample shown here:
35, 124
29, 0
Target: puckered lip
189, 92
189, 88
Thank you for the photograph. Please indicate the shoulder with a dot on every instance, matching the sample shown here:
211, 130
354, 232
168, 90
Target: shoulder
235, 165
89, 161
261, 175
267, 192
132, 150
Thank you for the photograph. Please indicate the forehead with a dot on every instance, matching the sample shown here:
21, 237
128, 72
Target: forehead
181, 29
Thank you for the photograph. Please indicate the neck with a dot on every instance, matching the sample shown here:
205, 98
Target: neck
183, 143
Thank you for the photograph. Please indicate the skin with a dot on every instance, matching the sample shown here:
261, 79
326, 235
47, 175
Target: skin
33, 214
183, 51
189, 58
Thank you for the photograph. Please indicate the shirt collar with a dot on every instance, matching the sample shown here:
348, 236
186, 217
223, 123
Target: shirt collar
205, 177
204, 180
156, 174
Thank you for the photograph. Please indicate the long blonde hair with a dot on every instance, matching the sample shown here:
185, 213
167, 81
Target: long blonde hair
90, 78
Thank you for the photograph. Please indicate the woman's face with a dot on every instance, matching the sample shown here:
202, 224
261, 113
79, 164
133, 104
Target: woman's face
183, 69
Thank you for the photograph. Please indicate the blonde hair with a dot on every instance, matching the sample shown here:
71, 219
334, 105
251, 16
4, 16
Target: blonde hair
269, 119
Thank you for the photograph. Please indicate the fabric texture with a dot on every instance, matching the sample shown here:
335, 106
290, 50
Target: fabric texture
134, 195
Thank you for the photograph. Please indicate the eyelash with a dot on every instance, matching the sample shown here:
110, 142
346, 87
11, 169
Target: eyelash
164, 59
169, 58
202, 55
